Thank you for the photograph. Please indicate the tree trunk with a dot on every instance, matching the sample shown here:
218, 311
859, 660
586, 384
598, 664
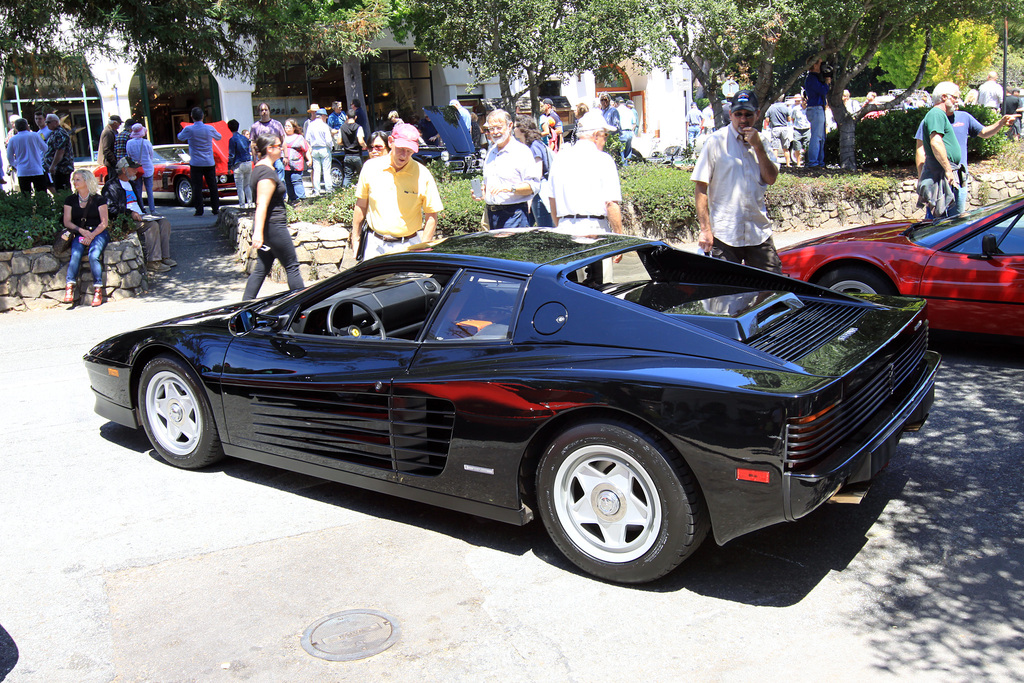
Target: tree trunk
847, 148
353, 72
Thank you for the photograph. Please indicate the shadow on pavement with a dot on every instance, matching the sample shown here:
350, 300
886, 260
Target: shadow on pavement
954, 594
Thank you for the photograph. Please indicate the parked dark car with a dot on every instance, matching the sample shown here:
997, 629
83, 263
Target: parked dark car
457, 150
969, 268
634, 396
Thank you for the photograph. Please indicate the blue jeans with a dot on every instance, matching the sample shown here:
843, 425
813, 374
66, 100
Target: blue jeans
351, 165
293, 183
99, 243
509, 216
816, 150
626, 138
691, 133
279, 167
148, 183
321, 168
541, 216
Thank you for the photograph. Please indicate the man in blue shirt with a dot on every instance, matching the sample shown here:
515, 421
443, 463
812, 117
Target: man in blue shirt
201, 164
964, 126
816, 88
335, 120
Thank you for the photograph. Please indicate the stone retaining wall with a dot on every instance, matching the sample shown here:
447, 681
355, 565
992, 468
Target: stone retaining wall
34, 278
319, 248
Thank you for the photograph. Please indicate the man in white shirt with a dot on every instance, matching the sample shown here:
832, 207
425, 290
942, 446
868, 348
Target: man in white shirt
585, 191
990, 94
731, 176
511, 175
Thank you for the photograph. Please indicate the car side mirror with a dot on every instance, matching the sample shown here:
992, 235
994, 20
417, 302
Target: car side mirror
244, 322
989, 246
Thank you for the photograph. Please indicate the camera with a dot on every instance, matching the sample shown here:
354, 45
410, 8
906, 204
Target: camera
826, 70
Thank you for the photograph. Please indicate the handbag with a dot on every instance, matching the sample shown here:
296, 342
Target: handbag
62, 241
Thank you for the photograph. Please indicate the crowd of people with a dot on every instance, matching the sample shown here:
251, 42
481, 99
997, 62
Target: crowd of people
534, 174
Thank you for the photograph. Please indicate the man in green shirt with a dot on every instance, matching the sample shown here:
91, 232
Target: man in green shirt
939, 181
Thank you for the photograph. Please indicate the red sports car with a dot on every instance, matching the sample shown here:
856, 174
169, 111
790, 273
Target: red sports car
171, 175
969, 268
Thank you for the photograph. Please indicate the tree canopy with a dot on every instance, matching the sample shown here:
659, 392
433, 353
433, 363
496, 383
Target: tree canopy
524, 41
173, 37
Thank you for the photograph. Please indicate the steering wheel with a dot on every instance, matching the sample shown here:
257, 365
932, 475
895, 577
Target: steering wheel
354, 330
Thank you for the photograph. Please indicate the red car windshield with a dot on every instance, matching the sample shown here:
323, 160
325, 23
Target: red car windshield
933, 233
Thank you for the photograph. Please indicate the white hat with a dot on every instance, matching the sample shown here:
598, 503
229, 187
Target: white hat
593, 120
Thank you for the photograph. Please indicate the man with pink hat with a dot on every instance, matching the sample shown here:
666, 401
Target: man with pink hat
397, 196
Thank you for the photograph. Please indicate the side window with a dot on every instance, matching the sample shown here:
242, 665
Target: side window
972, 245
480, 306
1013, 243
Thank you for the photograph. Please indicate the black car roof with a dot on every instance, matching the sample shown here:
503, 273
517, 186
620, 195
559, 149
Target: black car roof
524, 249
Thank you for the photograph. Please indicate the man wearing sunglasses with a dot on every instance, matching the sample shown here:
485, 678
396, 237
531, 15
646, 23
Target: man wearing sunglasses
731, 176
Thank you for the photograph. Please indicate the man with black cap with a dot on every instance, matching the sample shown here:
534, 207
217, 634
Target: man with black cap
731, 176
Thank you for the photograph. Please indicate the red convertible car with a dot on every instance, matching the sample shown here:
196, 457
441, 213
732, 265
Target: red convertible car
171, 176
969, 268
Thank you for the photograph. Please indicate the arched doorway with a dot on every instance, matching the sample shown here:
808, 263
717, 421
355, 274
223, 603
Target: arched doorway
613, 80
163, 109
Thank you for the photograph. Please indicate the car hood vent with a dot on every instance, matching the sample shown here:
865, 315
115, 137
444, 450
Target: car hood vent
814, 325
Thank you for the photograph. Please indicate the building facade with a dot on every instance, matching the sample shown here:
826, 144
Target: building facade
396, 79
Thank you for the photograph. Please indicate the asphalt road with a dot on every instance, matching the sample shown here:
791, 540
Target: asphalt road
116, 566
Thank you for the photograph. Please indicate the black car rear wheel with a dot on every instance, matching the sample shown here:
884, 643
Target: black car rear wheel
183, 191
857, 280
176, 414
619, 503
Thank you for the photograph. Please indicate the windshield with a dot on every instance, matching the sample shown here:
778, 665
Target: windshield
937, 232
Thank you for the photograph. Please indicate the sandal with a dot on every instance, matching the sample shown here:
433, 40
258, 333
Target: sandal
97, 297
69, 293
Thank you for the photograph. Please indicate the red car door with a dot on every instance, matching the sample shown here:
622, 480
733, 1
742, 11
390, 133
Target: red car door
970, 292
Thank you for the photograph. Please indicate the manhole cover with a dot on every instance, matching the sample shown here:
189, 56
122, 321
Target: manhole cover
350, 635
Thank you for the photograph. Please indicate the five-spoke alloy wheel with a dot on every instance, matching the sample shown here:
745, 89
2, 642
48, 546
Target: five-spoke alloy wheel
176, 414
618, 502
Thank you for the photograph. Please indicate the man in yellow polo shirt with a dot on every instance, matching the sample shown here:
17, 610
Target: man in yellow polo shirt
397, 196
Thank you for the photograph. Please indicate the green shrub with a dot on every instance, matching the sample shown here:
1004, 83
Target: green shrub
662, 197
31, 221
889, 140
28, 221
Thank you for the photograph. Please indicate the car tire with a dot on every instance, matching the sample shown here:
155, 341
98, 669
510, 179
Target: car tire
176, 414
857, 280
337, 175
183, 191
618, 502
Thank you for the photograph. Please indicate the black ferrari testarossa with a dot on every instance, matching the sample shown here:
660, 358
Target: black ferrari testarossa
635, 396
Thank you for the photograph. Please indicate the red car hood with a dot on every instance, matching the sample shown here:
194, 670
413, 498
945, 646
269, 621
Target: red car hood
220, 147
882, 232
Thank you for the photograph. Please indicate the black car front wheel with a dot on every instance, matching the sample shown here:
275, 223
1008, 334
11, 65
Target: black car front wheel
619, 503
176, 414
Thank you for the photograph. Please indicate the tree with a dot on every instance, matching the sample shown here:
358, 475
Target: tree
758, 38
961, 49
524, 42
176, 37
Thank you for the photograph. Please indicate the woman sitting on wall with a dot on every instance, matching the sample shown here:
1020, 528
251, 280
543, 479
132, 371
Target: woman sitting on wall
85, 215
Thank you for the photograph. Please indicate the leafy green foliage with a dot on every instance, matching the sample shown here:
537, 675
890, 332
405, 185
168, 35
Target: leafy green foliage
961, 49
31, 221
